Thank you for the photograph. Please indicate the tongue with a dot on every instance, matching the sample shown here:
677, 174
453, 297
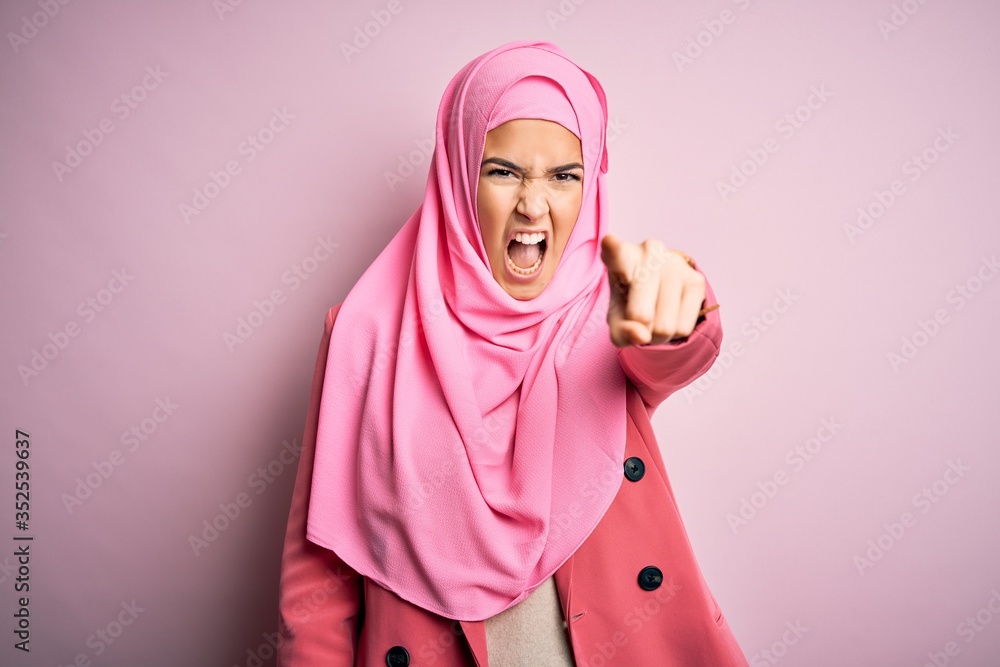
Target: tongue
524, 255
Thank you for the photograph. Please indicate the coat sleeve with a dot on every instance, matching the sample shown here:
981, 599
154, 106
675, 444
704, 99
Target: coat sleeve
320, 599
659, 370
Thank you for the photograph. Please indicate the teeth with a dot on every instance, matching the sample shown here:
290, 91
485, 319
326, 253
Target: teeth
529, 239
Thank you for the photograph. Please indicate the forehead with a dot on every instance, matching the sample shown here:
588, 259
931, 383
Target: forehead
530, 135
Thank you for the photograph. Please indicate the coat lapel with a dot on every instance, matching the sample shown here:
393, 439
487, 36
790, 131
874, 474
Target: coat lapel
475, 634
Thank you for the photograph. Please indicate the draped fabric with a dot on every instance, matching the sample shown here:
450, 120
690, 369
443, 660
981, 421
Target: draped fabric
468, 442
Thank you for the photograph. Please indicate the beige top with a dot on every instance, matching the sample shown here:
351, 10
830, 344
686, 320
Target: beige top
532, 633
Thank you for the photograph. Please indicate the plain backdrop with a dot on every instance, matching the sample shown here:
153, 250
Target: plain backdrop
187, 187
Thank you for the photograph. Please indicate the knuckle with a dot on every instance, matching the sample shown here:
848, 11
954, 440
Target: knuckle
684, 331
666, 330
695, 288
638, 313
655, 246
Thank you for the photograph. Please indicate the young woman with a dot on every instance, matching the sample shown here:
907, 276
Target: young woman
479, 481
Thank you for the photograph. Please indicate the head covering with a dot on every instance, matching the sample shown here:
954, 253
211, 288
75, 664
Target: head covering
468, 442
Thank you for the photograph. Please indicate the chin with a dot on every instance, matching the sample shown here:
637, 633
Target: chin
525, 292
522, 297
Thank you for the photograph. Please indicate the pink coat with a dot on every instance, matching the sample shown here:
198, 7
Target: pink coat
632, 594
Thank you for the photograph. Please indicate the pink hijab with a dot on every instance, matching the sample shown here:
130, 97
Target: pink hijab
469, 442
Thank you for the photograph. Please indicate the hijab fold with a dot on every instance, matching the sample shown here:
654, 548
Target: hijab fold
468, 442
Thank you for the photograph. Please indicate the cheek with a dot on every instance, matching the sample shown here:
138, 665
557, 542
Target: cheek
568, 211
492, 217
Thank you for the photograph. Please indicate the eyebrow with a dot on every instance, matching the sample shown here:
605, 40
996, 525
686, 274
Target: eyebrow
507, 164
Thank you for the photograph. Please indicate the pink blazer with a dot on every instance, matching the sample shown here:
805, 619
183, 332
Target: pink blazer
632, 594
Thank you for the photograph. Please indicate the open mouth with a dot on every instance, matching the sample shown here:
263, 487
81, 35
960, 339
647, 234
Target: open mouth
525, 253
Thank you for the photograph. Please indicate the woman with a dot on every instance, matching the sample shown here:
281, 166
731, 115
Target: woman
479, 481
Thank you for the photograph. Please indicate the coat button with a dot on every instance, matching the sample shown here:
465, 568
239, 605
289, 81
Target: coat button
634, 468
397, 656
650, 578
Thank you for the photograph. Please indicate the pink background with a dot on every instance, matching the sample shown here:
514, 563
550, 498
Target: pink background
822, 352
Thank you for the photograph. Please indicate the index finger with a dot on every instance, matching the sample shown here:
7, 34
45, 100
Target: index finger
621, 258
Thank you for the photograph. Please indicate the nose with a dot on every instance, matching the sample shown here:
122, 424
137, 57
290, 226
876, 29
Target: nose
532, 202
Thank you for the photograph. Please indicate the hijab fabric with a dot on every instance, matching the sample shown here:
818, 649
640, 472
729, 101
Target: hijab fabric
468, 442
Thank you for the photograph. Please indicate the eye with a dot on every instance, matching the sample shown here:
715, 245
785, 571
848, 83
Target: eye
572, 177
502, 173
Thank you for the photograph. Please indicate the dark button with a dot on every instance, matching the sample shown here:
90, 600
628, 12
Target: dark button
650, 578
634, 468
397, 656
